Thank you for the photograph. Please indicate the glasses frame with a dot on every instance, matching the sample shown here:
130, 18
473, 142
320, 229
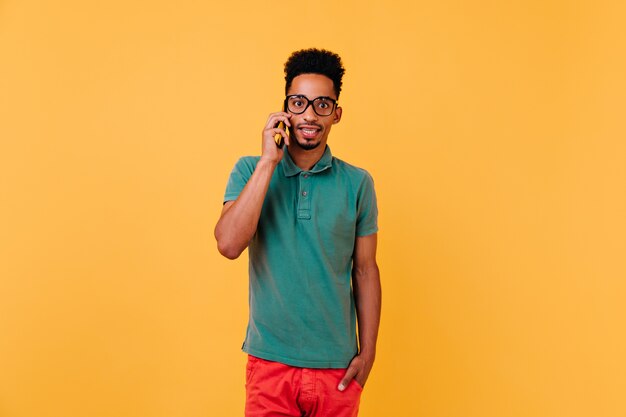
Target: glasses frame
309, 103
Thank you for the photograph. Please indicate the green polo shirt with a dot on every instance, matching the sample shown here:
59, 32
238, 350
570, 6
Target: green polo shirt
302, 309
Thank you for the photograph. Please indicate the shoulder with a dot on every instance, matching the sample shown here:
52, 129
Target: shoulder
246, 164
249, 161
356, 174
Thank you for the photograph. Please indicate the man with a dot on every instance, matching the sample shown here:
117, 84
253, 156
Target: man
309, 221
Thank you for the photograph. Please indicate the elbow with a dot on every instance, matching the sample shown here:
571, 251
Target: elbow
227, 244
227, 249
228, 252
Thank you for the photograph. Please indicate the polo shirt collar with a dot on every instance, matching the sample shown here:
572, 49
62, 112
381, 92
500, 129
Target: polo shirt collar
290, 168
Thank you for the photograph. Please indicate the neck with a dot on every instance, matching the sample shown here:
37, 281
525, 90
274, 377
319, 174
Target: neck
306, 159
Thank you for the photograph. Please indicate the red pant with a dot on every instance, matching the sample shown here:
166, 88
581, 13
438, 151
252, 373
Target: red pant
277, 390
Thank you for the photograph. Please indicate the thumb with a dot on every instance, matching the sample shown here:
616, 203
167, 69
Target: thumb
347, 377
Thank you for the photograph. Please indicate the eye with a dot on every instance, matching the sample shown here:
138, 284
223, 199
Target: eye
297, 102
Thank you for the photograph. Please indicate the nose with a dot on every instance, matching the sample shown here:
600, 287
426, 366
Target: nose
309, 114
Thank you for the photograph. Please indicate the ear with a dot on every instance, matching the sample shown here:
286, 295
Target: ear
337, 115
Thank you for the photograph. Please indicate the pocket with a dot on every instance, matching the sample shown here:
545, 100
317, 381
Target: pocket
357, 384
250, 367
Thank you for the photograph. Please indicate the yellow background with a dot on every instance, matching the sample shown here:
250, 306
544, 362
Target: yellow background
495, 135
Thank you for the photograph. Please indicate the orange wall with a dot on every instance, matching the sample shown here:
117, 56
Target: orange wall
495, 134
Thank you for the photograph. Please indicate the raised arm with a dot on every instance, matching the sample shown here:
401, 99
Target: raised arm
239, 218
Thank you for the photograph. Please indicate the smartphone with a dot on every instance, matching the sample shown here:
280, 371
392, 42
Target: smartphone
280, 142
278, 138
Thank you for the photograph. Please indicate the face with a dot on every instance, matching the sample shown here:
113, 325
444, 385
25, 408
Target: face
309, 129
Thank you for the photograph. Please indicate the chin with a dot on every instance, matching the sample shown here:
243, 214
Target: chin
307, 145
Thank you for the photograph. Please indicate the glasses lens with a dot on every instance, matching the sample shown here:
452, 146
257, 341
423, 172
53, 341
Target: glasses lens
323, 106
297, 104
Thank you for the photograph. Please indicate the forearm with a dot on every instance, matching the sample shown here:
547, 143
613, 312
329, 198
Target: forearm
368, 297
238, 223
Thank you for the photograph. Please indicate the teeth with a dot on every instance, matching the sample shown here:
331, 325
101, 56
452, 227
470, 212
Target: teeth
309, 131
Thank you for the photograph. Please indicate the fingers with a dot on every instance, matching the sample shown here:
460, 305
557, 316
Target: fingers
274, 136
280, 129
277, 124
276, 118
280, 137
347, 377
276, 128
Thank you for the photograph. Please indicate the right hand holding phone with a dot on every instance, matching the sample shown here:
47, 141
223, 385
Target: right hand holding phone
275, 135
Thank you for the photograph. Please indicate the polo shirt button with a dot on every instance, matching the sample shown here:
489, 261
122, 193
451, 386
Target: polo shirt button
304, 193
306, 175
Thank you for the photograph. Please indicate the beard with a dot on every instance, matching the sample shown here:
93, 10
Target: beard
306, 145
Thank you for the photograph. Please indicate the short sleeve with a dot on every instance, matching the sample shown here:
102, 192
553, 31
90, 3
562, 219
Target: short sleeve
239, 177
367, 208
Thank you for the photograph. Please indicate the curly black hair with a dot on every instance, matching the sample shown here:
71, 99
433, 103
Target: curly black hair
314, 61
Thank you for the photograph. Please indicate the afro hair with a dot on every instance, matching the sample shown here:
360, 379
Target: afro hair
314, 61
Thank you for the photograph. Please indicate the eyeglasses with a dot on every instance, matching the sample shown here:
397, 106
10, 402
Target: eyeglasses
322, 106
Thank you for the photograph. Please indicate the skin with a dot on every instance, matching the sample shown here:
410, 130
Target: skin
239, 219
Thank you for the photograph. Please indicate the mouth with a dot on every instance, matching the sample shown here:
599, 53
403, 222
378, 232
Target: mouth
309, 131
